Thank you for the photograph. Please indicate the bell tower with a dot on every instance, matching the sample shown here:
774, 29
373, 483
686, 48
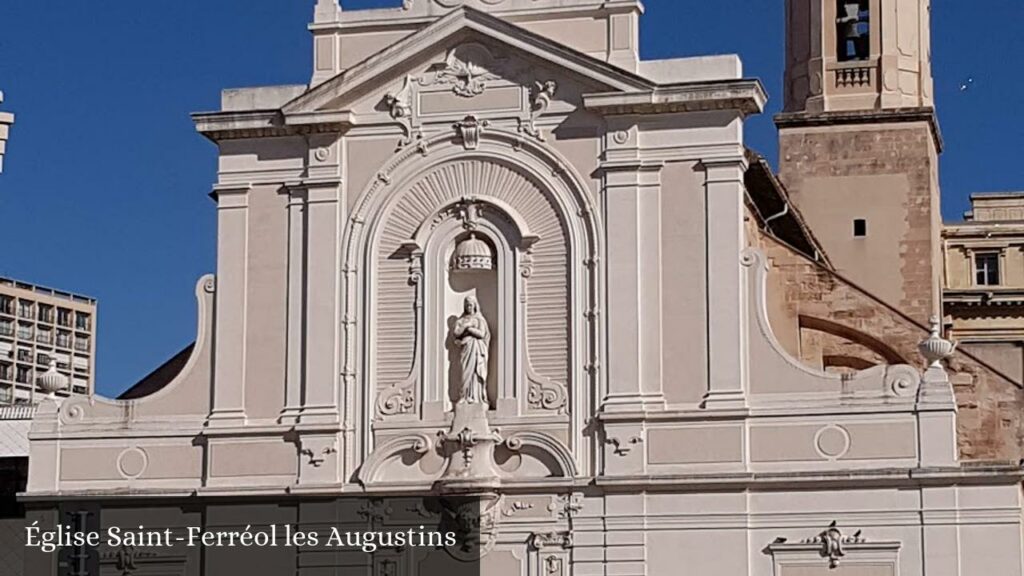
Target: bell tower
859, 143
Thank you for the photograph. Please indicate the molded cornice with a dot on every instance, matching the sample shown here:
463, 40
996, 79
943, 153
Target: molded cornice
746, 96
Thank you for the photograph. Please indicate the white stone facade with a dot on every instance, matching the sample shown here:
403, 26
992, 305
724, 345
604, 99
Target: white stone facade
639, 414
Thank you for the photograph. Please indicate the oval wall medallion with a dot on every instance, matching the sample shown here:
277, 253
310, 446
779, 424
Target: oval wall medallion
132, 463
832, 442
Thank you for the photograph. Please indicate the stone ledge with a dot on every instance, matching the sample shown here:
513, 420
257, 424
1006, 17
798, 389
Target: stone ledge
843, 117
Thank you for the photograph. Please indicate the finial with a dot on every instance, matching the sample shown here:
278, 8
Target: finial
935, 348
52, 381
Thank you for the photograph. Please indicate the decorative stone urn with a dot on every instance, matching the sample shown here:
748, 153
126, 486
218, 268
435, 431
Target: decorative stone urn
935, 348
52, 381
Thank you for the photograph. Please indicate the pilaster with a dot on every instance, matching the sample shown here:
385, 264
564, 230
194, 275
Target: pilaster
296, 302
230, 307
320, 392
727, 341
632, 191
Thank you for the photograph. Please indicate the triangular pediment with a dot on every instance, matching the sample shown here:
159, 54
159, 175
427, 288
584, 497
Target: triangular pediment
465, 50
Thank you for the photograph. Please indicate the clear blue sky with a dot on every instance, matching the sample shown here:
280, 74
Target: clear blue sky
106, 182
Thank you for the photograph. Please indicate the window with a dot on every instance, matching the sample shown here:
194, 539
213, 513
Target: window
6, 328
25, 309
64, 317
81, 343
860, 228
853, 30
26, 331
83, 321
64, 339
6, 372
44, 336
986, 269
6, 305
46, 313
24, 375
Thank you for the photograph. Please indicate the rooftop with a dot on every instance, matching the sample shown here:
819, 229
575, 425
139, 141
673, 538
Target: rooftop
43, 290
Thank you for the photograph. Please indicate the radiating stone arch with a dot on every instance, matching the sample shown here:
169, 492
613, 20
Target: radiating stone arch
559, 184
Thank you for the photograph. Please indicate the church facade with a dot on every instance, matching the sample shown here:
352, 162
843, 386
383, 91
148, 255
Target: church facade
490, 255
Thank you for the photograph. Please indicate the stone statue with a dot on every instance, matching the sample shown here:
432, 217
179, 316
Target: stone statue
474, 337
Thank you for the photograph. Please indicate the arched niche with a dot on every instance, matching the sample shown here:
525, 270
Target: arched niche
542, 189
499, 291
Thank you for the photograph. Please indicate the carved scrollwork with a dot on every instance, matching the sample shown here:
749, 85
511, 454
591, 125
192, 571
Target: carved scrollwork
566, 506
902, 380
396, 399
832, 544
400, 109
540, 98
546, 394
415, 268
547, 540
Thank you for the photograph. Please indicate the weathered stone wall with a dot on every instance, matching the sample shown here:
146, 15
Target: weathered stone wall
887, 175
991, 404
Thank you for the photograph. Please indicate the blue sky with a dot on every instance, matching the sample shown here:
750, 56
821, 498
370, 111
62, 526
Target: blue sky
105, 183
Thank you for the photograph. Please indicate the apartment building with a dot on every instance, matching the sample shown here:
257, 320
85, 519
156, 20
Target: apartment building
38, 325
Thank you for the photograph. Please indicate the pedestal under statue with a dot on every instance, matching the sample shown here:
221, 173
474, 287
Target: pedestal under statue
469, 445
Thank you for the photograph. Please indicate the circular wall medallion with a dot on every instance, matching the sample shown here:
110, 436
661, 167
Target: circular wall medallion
132, 463
832, 442
322, 154
621, 136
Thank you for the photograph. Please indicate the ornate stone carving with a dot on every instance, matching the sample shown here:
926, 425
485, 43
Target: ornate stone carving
516, 507
624, 447
469, 130
473, 519
400, 108
318, 454
396, 399
541, 541
832, 542
540, 98
902, 380
545, 394
375, 511
566, 506
935, 349
472, 254
554, 566
467, 69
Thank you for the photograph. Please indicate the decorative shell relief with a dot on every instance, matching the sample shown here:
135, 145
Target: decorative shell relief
548, 305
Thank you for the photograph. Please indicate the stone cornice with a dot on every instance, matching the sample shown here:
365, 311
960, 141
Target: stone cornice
218, 126
981, 474
856, 117
746, 96
421, 13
